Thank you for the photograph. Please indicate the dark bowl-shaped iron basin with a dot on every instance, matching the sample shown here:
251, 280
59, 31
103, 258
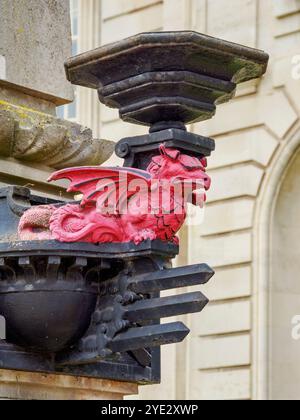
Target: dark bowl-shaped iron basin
46, 321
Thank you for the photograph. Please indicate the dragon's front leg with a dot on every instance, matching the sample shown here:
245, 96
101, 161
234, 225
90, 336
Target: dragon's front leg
136, 232
143, 235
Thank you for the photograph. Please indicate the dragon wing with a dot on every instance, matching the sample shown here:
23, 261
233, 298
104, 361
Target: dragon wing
96, 182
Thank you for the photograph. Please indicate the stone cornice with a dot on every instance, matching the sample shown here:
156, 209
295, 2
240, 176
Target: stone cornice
35, 137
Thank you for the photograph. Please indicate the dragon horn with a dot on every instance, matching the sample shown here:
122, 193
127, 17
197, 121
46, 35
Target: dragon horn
170, 153
163, 150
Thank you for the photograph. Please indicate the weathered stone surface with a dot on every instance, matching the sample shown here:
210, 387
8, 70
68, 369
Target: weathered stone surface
40, 138
7, 129
14, 172
38, 386
35, 40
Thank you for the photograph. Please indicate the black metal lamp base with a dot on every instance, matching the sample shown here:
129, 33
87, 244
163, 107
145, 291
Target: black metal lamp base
138, 151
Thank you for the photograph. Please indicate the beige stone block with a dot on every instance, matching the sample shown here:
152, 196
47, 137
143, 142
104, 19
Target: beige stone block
36, 386
228, 216
253, 111
283, 70
112, 8
114, 161
229, 384
178, 18
116, 130
198, 15
35, 39
236, 27
149, 19
285, 7
229, 283
247, 88
256, 145
288, 25
286, 45
235, 181
33, 177
286, 73
227, 351
223, 318
109, 114
221, 250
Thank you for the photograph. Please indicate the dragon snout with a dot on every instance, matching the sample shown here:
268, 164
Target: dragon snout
207, 182
202, 180
198, 181
202, 177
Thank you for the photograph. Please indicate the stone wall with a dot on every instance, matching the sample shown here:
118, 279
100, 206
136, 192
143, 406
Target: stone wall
225, 356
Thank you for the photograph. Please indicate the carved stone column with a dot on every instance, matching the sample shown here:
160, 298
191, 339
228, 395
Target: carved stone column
35, 41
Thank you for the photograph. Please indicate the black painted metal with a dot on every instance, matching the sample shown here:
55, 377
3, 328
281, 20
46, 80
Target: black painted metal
163, 307
166, 77
138, 151
149, 336
171, 279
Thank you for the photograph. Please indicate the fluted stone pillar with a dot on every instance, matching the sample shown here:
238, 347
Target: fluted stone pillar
89, 109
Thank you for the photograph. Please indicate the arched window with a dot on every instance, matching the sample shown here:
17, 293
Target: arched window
284, 289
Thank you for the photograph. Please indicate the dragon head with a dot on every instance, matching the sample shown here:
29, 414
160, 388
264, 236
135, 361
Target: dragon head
178, 168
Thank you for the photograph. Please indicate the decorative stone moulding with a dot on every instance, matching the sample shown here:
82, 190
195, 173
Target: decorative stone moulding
35, 137
94, 309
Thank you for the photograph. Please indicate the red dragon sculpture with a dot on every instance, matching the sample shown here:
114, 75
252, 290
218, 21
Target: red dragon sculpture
122, 204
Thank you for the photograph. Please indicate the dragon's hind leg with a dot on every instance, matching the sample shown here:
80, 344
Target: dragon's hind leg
73, 223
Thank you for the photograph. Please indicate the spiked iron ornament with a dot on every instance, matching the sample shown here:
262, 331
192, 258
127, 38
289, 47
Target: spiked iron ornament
94, 309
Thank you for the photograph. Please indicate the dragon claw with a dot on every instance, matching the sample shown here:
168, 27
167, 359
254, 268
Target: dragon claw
143, 235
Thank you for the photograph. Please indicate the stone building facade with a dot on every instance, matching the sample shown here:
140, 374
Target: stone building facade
241, 346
